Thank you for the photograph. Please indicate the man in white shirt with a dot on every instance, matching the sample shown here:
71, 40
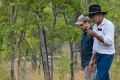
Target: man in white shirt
103, 46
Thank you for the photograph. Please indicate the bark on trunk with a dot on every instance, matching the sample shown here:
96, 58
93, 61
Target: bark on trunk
44, 54
72, 60
12, 63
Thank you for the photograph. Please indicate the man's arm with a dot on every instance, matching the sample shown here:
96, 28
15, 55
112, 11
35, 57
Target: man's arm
93, 58
94, 34
107, 39
92, 62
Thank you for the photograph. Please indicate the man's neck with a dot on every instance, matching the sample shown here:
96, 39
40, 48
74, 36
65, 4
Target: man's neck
100, 21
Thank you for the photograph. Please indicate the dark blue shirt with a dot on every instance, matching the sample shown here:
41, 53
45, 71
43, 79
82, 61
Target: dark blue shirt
86, 49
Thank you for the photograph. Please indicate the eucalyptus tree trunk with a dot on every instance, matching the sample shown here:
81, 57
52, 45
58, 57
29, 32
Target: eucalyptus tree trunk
19, 64
71, 52
77, 13
72, 60
52, 43
43, 48
44, 53
12, 63
22, 37
12, 37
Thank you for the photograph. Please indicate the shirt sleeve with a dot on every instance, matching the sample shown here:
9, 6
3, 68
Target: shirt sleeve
94, 46
109, 35
94, 42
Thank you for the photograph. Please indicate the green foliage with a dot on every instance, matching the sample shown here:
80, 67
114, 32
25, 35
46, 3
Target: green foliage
65, 30
25, 19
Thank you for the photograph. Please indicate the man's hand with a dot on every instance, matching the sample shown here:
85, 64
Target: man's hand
91, 66
92, 33
81, 68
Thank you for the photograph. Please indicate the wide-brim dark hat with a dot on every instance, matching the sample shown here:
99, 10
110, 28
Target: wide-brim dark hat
95, 9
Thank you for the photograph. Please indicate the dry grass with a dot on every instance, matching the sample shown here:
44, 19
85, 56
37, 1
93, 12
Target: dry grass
61, 69
58, 75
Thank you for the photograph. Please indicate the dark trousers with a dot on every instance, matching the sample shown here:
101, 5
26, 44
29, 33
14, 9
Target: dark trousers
103, 62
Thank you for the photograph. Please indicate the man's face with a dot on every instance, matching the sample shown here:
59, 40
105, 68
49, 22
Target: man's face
96, 18
84, 26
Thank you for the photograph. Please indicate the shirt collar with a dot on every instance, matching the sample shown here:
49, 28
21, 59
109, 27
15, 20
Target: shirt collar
103, 22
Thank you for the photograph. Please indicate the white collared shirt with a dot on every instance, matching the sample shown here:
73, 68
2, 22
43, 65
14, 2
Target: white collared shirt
106, 30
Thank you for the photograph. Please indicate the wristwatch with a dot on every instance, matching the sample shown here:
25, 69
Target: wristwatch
97, 36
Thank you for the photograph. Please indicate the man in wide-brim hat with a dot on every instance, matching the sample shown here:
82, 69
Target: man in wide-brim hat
103, 46
95, 9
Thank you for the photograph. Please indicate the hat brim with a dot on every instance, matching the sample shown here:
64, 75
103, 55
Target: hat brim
91, 14
79, 23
